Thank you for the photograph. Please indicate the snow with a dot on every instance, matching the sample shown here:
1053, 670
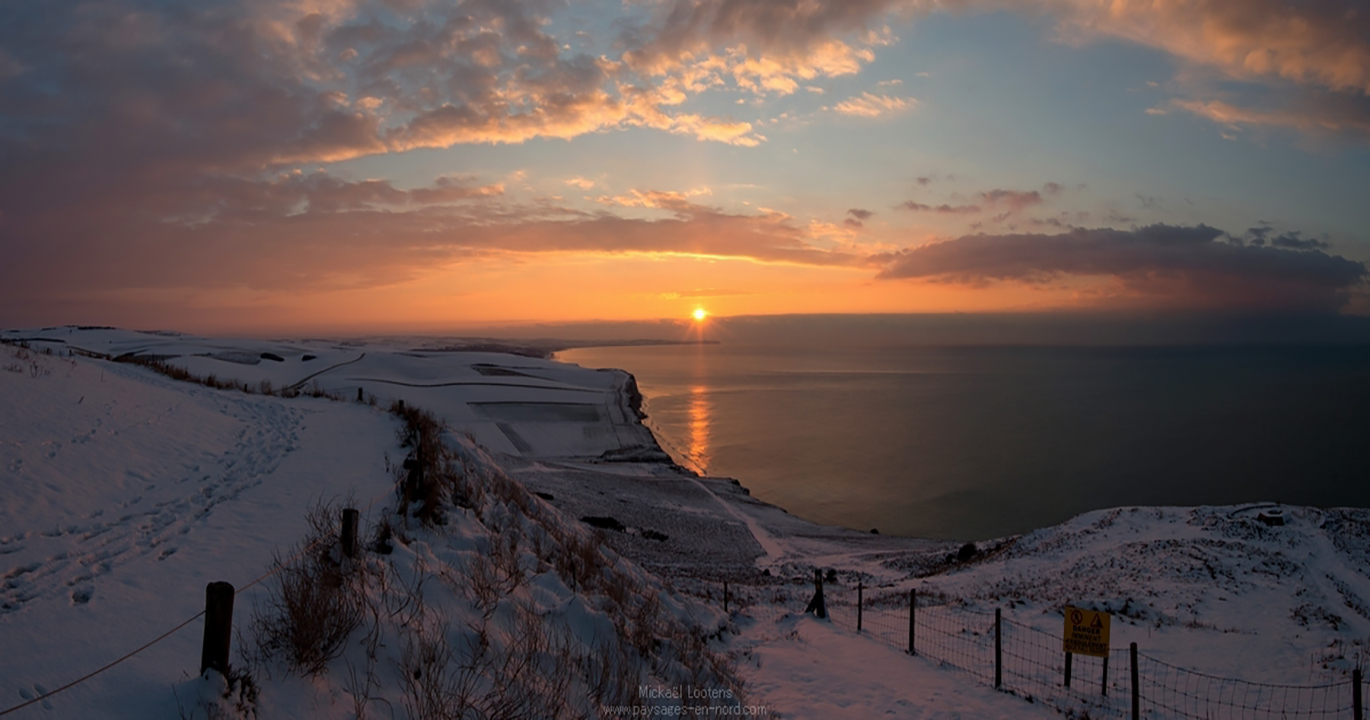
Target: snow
813, 669
127, 491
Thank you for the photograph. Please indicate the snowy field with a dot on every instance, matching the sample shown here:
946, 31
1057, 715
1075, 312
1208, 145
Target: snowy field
126, 491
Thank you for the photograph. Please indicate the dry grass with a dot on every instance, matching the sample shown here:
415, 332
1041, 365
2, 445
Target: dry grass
499, 658
264, 387
526, 672
316, 599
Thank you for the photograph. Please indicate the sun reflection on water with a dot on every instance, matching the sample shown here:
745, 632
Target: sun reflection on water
699, 428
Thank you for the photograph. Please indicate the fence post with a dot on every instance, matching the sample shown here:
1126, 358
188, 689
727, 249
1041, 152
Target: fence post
349, 532
858, 605
1103, 686
816, 605
1136, 691
913, 613
218, 627
1068, 657
725, 596
1355, 694
998, 650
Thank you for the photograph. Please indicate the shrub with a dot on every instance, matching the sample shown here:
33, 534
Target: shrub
316, 600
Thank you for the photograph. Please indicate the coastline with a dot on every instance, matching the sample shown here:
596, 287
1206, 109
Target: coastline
1216, 588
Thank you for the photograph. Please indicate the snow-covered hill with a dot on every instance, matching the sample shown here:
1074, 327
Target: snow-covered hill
126, 491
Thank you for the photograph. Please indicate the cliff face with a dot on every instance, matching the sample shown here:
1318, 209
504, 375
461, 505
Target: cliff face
633, 396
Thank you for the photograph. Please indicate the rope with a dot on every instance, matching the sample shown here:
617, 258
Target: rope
277, 568
93, 673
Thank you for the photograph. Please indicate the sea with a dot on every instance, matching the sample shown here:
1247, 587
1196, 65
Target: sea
971, 442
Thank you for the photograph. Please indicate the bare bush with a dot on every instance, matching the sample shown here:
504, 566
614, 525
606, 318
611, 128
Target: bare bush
525, 670
315, 602
435, 688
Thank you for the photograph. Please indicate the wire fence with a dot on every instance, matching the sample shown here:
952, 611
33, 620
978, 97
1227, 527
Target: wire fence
998, 651
276, 567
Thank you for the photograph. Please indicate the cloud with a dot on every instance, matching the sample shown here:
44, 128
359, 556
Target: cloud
1265, 234
856, 218
1187, 266
704, 293
1012, 200
1319, 46
943, 208
146, 144
1292, 241
1314, 43
667, 199
869, 105
303, 234
1313, 114
1007, 201
799, 38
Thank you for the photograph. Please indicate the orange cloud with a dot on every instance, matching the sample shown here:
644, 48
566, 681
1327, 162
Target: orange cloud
1304, 119
1315, 43
869, 105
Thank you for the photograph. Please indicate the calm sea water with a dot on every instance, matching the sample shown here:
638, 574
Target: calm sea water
978, 442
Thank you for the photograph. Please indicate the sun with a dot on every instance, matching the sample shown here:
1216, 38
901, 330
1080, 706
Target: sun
700, 314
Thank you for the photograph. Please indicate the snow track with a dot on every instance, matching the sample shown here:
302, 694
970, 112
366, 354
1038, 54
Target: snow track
152, 489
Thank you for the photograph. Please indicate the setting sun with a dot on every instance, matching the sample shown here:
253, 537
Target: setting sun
700, 314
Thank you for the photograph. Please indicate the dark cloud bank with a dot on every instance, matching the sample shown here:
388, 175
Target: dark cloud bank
1197, 267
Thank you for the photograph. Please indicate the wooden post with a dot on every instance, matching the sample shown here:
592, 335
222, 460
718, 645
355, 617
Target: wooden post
725, 596
817, 606
349, 532
858, 605
1068, 657
1136, 691
359, 394
1356, 710
1103, 686
913, 613
998, 650
218, 627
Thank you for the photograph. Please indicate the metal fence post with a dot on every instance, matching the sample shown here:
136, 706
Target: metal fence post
1103, 685
1069, 655
913, 613
218, 627
1356, 694
998, 649
858, 605
1136, 691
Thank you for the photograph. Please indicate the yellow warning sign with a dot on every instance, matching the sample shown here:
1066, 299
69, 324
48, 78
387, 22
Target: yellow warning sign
1086, 632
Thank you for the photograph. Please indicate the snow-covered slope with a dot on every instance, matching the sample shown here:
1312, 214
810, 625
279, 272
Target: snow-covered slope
126, 491
559, 410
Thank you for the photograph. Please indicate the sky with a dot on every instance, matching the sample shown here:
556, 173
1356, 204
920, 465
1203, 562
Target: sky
251, 165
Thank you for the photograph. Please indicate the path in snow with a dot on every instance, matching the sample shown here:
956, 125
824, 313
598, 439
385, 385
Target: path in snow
774, 550
138, 487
